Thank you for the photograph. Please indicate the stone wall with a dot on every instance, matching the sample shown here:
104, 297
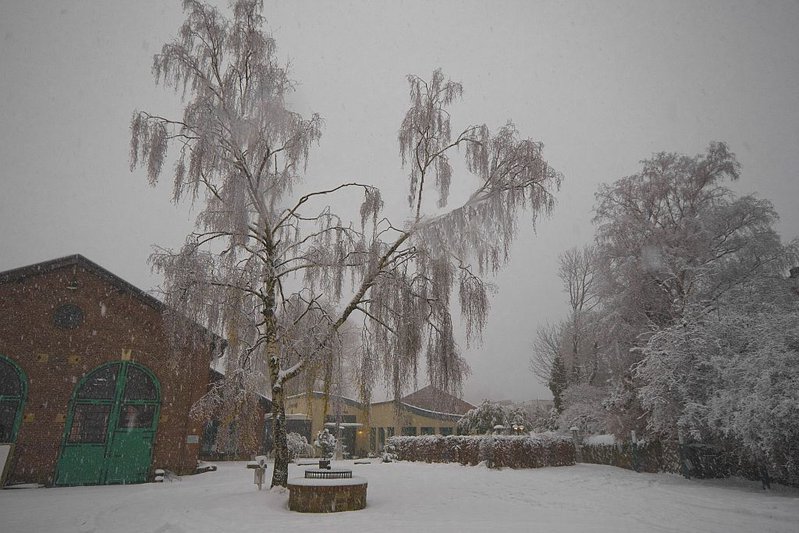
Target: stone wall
320, 498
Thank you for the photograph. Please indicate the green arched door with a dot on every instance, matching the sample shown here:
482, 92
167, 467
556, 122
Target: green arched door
13, 389
111, 427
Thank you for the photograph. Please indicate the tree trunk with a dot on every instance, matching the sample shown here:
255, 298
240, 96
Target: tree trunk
280, 475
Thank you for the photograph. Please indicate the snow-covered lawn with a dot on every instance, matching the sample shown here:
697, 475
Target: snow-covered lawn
415, 497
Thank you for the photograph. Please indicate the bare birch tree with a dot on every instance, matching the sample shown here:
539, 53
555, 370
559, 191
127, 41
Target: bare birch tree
240, 152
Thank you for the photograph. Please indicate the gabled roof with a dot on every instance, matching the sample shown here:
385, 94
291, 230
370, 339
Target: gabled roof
333, 397
37, 269
433, 399
46, 267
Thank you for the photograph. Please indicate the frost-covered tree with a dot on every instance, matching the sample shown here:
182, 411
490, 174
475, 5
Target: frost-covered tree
671, 238
484, 418
583, 407
673, 235
276, 272
731, 375
674, 247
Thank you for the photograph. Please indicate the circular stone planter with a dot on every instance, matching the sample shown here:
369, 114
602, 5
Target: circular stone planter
327, 491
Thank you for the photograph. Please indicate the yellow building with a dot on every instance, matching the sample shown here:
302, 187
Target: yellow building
428, 411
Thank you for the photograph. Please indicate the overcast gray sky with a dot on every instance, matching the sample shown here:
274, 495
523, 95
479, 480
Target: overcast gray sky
602, 84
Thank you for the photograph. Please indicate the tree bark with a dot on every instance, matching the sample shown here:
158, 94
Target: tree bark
280, 475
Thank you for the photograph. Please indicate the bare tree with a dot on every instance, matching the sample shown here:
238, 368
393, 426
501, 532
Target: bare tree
577, 272
546, 349
566, 353
240, 152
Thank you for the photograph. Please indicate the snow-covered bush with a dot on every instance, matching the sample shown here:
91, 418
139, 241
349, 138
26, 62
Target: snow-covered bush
483, 419
729, 377
298, 446
389, 454
326, 443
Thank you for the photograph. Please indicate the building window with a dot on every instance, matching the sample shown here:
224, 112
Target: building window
409, 431
101, 385
139, 386
428, 430
208, 443
446, 430
301, 427
90, 423
136, 416
346, 419
8, 418
13, 389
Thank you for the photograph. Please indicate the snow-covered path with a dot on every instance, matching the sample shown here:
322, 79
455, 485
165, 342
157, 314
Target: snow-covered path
421, 497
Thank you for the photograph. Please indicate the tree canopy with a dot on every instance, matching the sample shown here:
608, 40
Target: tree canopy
691, 330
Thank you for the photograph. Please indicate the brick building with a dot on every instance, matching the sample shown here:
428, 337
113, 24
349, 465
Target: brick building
89, 389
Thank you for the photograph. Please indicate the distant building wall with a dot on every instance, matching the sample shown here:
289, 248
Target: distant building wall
382, 421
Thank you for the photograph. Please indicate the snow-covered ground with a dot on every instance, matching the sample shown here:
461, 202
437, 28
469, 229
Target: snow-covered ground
415, 497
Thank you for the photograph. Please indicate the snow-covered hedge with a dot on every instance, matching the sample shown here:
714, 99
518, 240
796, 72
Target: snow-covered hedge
642, 457
525, 451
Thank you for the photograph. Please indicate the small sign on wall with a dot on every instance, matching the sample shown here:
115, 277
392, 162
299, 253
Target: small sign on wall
192, 439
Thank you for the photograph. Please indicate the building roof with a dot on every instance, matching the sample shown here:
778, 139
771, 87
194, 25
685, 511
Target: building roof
438, 413
332, 397
45, 267
437, 400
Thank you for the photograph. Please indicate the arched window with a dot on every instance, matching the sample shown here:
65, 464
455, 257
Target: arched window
13, 389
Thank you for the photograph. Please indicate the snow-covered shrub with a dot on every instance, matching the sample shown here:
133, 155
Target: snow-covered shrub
483, 419
298, 446
643, 456
728, 383
326, 443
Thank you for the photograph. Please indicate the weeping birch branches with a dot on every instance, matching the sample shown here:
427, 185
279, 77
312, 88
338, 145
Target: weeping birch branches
279, 274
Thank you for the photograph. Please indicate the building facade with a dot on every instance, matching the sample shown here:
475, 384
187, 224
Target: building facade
364, 431
91, 390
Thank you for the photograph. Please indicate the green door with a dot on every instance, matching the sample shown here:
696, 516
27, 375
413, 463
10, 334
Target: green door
111, 427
